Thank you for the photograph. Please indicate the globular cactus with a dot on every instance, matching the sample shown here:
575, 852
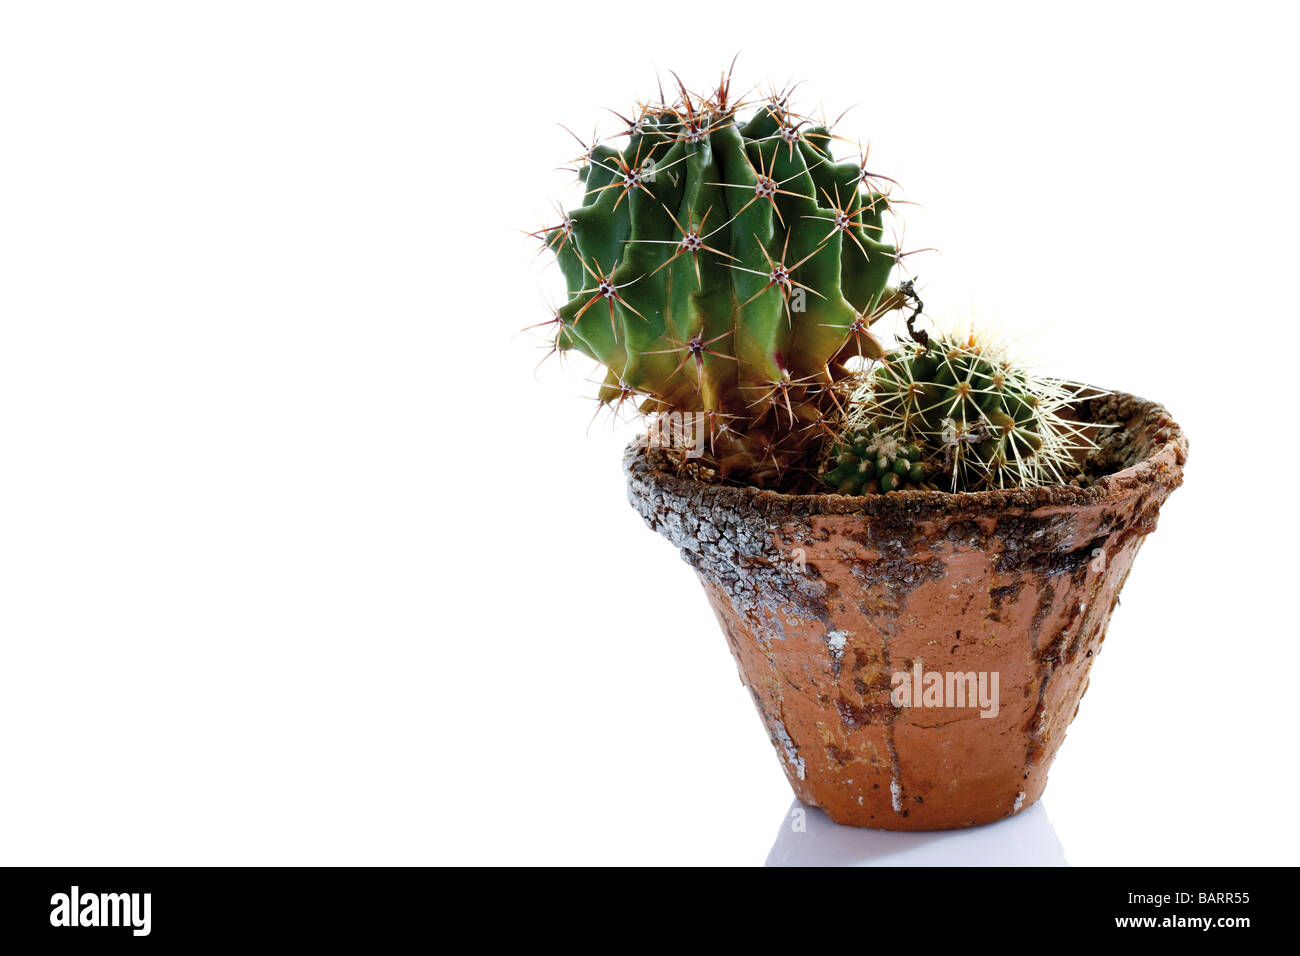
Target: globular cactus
984, 422
729, 269
867, 460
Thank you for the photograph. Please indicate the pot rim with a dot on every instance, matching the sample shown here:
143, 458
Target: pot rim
1161, 464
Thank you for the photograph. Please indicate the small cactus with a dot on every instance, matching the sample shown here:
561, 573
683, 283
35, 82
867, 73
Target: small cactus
984, 422
867, 461
727, 268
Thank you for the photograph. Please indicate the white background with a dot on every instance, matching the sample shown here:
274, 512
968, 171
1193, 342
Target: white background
299, 563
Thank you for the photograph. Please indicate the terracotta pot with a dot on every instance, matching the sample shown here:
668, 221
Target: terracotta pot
833, 604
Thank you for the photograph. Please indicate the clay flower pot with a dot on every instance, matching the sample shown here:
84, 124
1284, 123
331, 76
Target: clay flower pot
849, 617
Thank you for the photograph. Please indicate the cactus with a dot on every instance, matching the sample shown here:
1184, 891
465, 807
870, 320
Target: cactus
866, 461
727, 269
984, 422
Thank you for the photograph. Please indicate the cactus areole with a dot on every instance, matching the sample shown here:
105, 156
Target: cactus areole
973, 523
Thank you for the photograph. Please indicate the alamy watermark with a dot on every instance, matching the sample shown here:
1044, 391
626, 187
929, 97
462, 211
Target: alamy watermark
920, 688
680, 431
76, 908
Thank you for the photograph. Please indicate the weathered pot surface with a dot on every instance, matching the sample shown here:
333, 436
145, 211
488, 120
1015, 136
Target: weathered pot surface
829, 602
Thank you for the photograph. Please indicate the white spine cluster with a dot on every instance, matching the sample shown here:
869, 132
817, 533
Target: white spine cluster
952, 412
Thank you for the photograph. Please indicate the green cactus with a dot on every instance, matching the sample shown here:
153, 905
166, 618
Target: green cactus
726, 268
867, 461
984, 422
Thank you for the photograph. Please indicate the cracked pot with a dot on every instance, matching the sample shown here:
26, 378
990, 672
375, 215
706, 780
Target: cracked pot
836, 608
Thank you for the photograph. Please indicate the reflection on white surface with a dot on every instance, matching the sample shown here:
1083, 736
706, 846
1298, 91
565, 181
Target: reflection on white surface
807, 837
